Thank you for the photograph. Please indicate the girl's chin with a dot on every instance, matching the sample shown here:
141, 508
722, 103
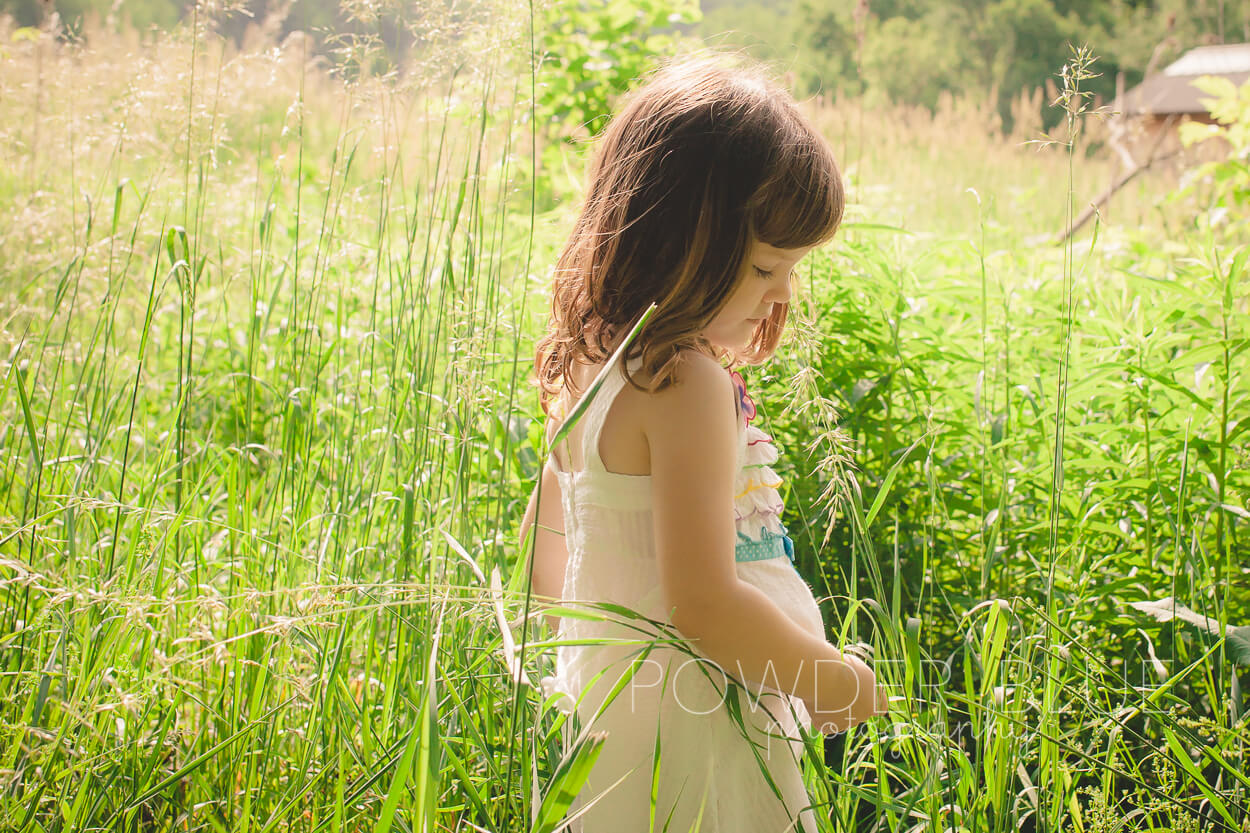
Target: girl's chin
735, 345
735, 340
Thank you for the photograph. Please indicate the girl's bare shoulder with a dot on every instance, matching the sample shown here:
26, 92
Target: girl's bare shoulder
695, 408
691, 432
701, 392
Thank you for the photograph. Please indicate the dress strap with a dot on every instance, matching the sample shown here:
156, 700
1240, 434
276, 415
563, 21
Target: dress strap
597, 412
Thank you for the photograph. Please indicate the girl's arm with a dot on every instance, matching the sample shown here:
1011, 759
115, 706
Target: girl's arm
550, 553
692, 433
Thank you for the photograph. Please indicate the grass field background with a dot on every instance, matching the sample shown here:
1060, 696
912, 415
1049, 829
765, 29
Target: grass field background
268, 432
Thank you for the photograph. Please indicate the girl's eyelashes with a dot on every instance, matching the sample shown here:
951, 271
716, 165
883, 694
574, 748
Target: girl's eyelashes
768, 273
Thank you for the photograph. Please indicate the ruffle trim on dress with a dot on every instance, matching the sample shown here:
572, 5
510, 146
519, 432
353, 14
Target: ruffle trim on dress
760, 448
757, 503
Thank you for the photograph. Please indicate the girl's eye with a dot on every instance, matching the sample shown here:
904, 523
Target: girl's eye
763, 273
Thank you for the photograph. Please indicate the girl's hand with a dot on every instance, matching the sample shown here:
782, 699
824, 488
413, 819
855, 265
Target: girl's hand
849, 705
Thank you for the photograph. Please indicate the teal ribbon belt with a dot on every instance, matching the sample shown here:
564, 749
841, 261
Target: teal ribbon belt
769, 545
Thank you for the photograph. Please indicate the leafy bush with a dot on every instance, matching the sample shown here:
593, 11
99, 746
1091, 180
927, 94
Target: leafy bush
1229, 178
593, 50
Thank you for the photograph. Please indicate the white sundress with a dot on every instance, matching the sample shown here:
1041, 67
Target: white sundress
711, 777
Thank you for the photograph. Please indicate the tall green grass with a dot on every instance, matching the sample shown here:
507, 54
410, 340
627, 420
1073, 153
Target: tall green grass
1026, 423
267, 435
262, 337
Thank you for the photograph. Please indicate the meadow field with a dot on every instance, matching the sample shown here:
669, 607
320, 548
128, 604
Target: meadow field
268, 429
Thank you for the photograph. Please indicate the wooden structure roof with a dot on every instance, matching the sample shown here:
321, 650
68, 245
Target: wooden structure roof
1171, 92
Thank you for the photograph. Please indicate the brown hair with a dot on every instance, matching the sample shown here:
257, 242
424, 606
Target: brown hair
699, 161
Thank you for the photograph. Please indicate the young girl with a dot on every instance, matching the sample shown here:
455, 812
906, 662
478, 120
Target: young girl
706, 190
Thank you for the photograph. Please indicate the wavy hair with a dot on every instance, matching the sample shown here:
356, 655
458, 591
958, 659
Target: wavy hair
700, 161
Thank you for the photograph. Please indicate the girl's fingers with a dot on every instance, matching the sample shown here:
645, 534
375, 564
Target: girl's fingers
859, 650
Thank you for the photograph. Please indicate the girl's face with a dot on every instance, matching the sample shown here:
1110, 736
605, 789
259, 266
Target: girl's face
764, 283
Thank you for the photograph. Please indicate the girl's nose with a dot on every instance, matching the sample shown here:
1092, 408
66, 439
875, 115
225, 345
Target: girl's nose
782, 290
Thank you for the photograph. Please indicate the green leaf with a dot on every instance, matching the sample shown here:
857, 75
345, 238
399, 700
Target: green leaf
579, 409
911, 650
421, 745
1182, 757
1237, 641
993, 639
27, 418
1167, 609
1234, 274
874, 227
889, 481
569, 779
1173, 385
1215, 86
465, 779
1191, 133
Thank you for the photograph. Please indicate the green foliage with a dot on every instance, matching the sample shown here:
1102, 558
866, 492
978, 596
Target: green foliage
901, 354
766, 31
591, 51
910, 60
1025, 41
1237, 637
268, 426
911, 52
1150, 34
139, 14
1228, 178
909, 348
831, 37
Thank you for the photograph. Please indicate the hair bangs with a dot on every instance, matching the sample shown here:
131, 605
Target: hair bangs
801, 202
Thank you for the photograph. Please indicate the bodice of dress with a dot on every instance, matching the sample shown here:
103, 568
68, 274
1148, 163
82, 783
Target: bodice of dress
611, 548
